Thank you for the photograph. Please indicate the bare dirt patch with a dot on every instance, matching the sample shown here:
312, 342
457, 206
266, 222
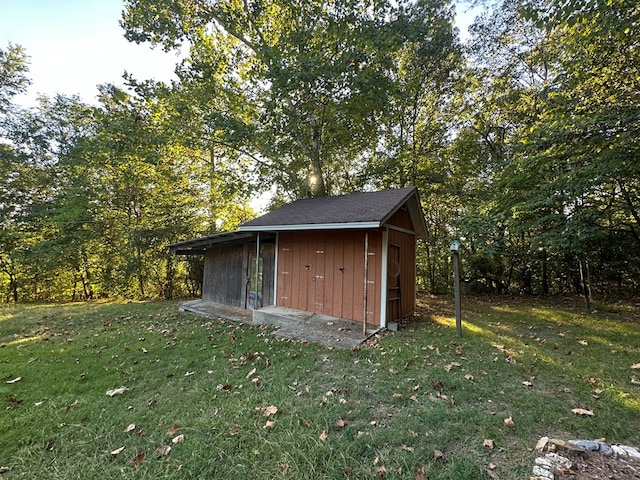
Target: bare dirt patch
597, 466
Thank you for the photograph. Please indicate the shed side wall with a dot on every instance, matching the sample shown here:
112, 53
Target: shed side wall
223, 280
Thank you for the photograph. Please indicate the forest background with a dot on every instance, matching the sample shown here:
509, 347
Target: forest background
523, 142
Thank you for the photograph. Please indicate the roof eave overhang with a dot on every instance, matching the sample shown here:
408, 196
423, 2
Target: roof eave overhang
199, 246
311, 226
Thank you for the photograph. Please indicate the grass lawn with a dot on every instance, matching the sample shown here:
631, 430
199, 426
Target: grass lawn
232, 402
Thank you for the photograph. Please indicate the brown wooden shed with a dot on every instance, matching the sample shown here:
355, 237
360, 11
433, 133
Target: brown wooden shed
346, 256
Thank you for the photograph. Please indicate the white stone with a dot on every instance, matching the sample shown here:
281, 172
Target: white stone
630, 451
541, 446
543, 472
544, 463
558, 460
619, 451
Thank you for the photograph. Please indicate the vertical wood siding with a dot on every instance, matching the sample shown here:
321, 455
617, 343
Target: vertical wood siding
323, 272
224, 278
226, 273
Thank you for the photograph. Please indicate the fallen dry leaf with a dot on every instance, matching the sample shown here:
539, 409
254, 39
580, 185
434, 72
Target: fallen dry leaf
488, 443
177, 439
270, 410
420, 474
509, 423
527, 384
235, 430
15, 380
163, 450
583, 342
173, 429
583, 411
137, 460
116, 391
323, 435
131, 426
438, 454
117, 451
340, 423
251, 373
269, 424
469, 377
407, 448
636, 366
635, 381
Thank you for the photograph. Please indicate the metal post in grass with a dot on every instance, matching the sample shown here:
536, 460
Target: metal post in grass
455, 247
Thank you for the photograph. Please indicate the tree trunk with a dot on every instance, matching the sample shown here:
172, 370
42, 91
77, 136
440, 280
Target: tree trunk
13, 286
139, 271
545, 273
585, 281
168, 288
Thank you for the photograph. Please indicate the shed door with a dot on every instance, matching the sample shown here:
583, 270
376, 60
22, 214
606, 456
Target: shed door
325, 275
301, 276
394, 298
253, 296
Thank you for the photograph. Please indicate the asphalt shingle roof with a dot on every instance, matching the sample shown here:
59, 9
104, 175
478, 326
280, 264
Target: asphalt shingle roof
359, 210
345, 209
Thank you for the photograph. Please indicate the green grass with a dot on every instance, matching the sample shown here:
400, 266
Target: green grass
382, 411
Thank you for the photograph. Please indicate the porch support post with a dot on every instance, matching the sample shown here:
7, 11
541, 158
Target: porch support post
275, 270
366, 280
383, 284
255, 304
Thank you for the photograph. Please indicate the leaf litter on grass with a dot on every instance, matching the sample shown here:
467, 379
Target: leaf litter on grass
371, 391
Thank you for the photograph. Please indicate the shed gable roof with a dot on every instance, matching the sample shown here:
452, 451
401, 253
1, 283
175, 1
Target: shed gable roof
358, 210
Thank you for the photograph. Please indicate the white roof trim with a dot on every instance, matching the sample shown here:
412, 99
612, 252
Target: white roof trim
310, 226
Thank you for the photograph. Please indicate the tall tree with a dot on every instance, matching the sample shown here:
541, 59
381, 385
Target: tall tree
299, 87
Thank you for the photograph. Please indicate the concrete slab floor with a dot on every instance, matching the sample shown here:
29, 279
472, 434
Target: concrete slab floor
290, 323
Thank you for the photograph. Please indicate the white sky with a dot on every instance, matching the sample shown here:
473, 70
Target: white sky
76, 45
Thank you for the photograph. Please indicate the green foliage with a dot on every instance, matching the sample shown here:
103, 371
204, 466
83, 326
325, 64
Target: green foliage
522, 142
14, 64
562, 189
